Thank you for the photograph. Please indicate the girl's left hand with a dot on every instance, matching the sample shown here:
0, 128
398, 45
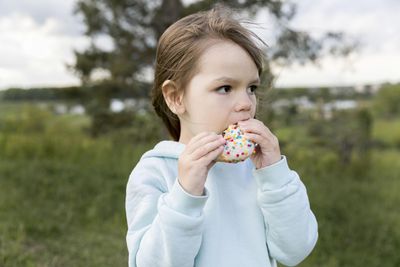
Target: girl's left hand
267, 150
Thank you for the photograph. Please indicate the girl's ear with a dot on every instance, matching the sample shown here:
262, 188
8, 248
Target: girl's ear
173, 97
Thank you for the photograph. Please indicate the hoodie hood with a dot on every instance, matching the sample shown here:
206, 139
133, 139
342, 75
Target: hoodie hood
165, 149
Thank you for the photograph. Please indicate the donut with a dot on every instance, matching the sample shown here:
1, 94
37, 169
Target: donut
237, 147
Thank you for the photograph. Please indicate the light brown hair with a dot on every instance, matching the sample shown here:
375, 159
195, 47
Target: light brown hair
180, 47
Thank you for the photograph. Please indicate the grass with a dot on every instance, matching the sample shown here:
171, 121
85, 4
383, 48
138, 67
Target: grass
67, 209
387, 131
357, 213
62, 193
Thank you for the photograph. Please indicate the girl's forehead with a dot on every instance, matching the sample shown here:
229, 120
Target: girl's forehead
220, 47
226, 59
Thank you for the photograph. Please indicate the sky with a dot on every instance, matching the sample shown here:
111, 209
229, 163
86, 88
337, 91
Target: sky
37, 40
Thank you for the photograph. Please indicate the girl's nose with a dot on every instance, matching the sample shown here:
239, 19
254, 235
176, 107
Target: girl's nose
243, 102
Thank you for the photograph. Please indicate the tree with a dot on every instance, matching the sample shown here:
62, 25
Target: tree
386, 102
134, 26
348, 131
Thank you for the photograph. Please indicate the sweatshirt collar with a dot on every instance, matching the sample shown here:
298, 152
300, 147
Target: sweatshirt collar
166, 149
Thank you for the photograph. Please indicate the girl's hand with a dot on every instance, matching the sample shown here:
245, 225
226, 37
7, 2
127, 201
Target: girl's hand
197, 159
267, 150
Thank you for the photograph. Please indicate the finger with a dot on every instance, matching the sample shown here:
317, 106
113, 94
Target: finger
258, 128
206, 148
265, 143
209, 159
202, 141
194, 142
251, 123
198, 137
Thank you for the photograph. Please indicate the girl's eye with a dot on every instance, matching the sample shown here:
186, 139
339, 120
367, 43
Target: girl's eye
224, 89
253, 89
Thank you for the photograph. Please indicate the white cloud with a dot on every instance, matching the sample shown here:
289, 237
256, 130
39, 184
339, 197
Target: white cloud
35, 54
37, 39
41, 10
374, 23
364, 70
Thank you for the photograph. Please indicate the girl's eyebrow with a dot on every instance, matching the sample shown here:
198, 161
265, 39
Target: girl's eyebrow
231, 80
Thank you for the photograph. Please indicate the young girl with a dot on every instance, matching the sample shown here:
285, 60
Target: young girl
184, 208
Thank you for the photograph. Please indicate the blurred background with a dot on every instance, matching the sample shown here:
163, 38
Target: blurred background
75, 118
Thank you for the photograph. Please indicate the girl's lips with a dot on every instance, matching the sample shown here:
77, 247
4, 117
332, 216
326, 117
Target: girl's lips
243, 120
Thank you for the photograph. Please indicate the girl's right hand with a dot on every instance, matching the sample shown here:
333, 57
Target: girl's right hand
197, 159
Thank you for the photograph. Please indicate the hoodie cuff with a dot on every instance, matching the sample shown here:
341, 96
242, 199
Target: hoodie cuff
274, 176
183, 202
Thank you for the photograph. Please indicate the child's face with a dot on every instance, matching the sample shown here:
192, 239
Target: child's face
221, 92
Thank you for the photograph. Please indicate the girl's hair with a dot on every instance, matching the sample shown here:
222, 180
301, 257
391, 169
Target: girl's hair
181, 46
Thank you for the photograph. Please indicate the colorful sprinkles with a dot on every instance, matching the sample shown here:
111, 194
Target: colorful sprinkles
237, 148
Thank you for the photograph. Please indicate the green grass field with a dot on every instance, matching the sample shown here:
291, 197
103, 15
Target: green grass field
62, 193
388, 131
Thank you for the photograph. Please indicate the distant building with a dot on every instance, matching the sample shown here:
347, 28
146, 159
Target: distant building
368, 89
342, 90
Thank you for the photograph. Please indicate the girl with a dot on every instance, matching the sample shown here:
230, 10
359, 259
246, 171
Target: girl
183, 208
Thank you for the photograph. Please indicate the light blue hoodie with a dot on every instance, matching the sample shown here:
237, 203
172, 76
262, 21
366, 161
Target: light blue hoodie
247, 217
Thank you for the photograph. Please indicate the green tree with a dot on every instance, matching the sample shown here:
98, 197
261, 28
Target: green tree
346, 132
387, 101
134, 26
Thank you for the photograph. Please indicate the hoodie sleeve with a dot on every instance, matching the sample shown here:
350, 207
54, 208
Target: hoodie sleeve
164, 228
291, 227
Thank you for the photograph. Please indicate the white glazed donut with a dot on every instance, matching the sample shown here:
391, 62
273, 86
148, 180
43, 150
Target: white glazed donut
237, 147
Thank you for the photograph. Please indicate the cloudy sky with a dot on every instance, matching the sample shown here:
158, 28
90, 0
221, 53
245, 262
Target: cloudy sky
37, 39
